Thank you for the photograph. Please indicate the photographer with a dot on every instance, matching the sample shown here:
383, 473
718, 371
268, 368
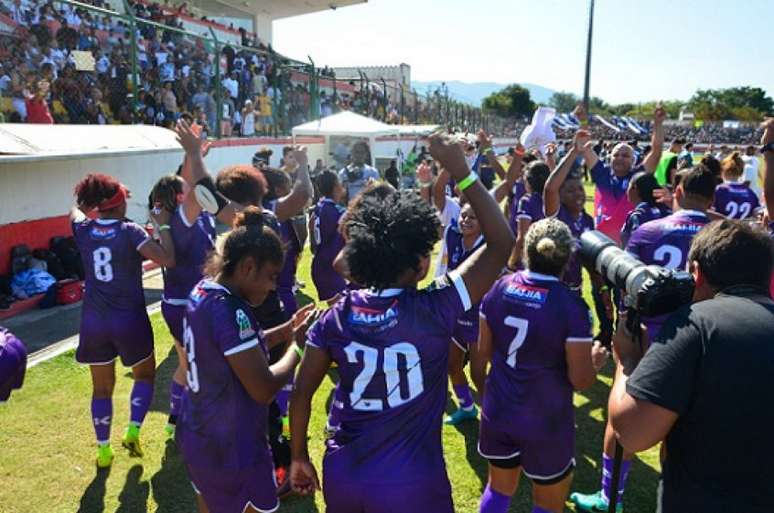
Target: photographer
358, 173
705, 382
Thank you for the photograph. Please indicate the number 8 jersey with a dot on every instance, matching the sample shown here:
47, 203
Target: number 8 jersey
392, 350
112, 263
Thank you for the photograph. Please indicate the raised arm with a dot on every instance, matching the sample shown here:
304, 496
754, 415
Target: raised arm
484, 266
292, 204
590, 157
557, 177
486, 148
768, 162
162, 252
194, 170
650, 162
513, 174
439, 190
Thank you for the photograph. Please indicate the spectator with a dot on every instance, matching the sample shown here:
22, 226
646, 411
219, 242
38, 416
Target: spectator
751, 174
392, 175
358, 173
248, 119
231, 85
37, 108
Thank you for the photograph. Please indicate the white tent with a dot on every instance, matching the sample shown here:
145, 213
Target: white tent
347, 124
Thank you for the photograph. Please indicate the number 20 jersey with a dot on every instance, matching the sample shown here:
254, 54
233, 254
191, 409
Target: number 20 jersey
392, 351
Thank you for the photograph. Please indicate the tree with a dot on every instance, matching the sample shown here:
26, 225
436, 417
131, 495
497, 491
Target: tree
734, 102
563, 102
513, 100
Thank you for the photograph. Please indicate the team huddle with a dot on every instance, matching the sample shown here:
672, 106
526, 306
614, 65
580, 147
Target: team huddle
506, 298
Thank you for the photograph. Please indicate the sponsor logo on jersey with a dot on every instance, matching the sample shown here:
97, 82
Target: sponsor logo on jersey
684, 226
103, 232
371, 317
246, 330
526, 294
197, 296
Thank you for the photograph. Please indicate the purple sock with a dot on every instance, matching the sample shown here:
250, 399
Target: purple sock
607, 477
493, 502
283, 396
142, 393
464, 397
175, 398
538, 509
101, 416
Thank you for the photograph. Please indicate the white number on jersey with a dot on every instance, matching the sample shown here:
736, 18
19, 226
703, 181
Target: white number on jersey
392, 375
738, 210
521, 325
668, 256
317, 234
103, 271
192, 375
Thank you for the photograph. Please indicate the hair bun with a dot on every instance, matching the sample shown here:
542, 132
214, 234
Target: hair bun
546, 247
250, 216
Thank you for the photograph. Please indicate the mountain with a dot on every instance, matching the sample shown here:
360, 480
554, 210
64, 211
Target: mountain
473, 93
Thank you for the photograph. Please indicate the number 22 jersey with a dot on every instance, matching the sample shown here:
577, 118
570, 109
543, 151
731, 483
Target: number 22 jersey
392, 351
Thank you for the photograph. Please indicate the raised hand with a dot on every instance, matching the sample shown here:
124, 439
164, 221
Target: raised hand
768, 131
580, 112
659, 114
187, 137
449, 154
484, 140
581, 139
299, 153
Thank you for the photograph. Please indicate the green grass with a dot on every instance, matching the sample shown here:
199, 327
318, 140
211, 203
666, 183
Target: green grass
47, 446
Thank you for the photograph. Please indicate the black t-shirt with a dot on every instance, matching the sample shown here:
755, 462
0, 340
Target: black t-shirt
713, 364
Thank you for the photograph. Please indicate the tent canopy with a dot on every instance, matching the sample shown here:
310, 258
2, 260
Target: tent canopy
417, 130
345, 123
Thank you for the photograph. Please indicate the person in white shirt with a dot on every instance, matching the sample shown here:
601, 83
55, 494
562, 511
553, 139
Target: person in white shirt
232, 85
248, 119
358, 173
751, 170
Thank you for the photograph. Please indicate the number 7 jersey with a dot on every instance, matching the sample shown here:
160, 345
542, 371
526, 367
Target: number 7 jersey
392, 350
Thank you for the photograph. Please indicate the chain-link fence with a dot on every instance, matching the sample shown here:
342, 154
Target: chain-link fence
90, 64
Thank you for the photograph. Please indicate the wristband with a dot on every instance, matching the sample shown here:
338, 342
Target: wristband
488, 148
603, 288
584, 122
208, 197
164, 227
299, 352
467, 181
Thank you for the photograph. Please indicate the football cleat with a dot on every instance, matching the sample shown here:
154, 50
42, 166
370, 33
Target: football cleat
131, 441
593, 503
104, 456
461, 415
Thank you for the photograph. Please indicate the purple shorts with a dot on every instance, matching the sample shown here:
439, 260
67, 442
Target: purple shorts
173, 316
232, 490
327, 281
288, 298
13, 364
125, 334
545, 460
465, 333
345, 495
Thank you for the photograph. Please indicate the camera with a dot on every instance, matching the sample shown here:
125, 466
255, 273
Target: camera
649, 290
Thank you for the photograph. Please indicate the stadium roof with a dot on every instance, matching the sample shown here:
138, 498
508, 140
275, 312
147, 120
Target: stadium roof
273, 9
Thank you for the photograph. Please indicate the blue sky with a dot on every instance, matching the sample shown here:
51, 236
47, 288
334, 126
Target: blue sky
643, 50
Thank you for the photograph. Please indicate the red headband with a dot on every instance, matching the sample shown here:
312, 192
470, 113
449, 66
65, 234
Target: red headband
118, 199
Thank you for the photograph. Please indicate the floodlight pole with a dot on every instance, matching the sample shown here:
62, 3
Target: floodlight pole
588, 57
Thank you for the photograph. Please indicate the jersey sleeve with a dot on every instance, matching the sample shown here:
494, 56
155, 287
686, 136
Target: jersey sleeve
318, 335
448, 298
578, 321
137, 235
235, 329
666, 374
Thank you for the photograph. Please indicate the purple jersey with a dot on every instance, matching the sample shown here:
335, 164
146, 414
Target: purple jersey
516, 193
666, 242
573, 275
467, 324
13, 363
735, 200
193, 242
220, 425
530, 207
532, 318
642, 213
392, 352
326, 244
287, 277
111, 259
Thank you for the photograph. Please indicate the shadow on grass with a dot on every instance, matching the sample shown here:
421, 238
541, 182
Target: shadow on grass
134, 496
170, 486
469, 431
93, 498
304, 299
164, 372
641, 487
296, 504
